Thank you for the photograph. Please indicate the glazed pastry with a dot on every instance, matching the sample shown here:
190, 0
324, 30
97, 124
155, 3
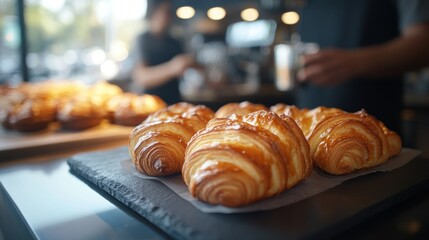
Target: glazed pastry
179, 109
80, 113
347, 142
306, 119
393, 139
239, 109
102, 92
5, 111
8, 101
132, 110
342, 142
113, 104
32, 115
240, 160
58, 93
157, 146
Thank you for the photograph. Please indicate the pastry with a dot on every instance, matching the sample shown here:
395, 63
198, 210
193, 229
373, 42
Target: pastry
8, 101
58, 93
32, 115
131, 110
80, 113
113, 104
306, 119
238, 160
102, 91
179, 109
239, 109
157, 146
346, 142
342, 142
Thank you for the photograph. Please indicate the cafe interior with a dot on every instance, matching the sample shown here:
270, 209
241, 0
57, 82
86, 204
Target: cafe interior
80, 177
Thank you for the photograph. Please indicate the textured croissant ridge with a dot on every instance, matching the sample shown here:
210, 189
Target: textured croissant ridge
305, 118
240, 160
239, 109
351, 141
342, 142
157, 146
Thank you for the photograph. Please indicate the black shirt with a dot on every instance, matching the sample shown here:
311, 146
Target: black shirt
353, 24
154, 50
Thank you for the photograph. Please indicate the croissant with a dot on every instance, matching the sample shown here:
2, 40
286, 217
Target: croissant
157, 146
239, 109
238, 160
306, 119
351, 141
342, 142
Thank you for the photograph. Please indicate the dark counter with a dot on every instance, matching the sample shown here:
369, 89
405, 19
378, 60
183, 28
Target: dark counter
45, 201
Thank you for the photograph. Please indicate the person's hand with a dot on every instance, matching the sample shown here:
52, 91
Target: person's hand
330, 67
181, 62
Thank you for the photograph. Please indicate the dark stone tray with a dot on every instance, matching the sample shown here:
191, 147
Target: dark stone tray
321, 216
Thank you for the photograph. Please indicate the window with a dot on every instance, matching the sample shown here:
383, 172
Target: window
9, 43
87, 40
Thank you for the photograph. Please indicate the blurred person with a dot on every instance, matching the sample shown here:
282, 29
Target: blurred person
160, 60
366, 47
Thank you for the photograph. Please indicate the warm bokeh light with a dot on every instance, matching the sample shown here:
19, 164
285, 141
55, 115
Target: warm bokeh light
109, 69
119, 51
250, 14
185, 12
290, 18
216, 13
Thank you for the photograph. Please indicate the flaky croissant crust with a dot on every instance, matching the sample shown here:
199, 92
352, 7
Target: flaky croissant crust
239, 160
347, 142
342, 142
239, 109
157, 146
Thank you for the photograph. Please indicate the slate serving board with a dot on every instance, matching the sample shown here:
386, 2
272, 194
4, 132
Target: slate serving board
318, 217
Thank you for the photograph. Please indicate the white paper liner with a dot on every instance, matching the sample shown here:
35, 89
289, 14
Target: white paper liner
317, 183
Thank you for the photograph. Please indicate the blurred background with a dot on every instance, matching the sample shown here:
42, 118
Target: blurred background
92, 40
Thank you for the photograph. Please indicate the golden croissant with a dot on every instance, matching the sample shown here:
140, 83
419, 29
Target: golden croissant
239, 160
342, 142
306, 119
157, 146
239, 109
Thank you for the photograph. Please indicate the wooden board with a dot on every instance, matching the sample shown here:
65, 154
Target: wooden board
15, 144
318, 217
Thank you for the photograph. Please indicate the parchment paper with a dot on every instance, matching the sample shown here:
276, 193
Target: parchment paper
317, 183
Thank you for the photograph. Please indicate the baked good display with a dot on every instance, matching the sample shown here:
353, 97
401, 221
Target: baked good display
238, 160
342, 142
131, 110
80, 105
239, 109
102, 91
8, 101
157, 146
31, 115
80, 113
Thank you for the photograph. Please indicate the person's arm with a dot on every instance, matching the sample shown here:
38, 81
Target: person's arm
152, 76
408, 52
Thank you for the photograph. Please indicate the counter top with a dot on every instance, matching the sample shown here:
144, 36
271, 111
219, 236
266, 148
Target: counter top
45, 201
40, 198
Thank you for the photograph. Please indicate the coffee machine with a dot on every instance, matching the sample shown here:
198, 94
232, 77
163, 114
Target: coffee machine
231, 66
